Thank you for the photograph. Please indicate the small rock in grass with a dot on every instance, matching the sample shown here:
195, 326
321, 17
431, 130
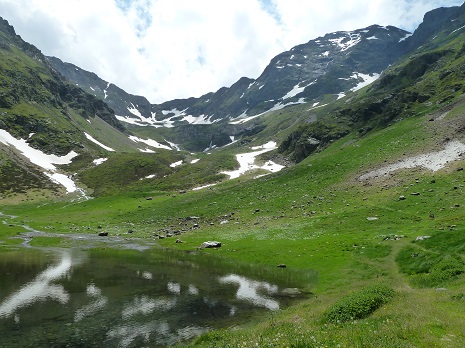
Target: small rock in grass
210, 244
419, 238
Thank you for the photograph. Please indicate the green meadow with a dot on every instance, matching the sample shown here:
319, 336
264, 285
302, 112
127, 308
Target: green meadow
379, 285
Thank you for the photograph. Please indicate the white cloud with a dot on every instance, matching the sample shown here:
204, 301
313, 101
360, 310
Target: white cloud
166, 49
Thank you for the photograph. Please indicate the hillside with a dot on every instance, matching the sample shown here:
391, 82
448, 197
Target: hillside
306, 98
371, 198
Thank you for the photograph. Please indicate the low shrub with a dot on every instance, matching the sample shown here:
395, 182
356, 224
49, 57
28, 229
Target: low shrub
359, 304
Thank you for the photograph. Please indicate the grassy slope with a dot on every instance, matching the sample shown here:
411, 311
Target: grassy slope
314, 216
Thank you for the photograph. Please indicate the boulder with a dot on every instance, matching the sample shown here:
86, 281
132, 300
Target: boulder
210, 244
419, 238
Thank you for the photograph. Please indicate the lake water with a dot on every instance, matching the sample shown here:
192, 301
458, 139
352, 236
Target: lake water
121, 298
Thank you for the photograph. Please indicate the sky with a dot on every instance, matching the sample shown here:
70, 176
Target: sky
169, 49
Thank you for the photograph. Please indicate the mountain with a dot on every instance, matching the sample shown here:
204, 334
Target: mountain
370, 204
305, 99
319, 71
46, 121
333, 64
429, 75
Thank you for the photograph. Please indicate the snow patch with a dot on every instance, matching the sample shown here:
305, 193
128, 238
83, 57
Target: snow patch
149, 121
247, 161
99, 161
174, 111
151, 176
173, 145
97, 142
242, 119
458, 29
64, 180
317, 106
202, 187
202, 119
405, 37
149, 142
296, 90
346, 42
367, 79
176, 164
43, 160
133, 110
432, 161
105, 91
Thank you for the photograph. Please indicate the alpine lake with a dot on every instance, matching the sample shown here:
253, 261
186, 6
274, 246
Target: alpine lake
115, 296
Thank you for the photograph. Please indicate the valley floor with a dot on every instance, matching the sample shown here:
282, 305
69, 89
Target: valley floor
402, 232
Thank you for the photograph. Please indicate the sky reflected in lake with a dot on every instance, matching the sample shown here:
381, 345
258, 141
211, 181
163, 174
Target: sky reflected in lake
129, 298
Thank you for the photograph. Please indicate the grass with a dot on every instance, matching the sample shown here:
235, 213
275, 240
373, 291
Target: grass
353, 234
373, 283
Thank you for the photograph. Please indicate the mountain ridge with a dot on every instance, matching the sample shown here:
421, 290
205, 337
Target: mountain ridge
305, 99
249, 97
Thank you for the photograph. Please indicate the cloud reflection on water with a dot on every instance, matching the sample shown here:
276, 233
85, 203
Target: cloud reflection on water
40, 289
249, 290
98, 304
